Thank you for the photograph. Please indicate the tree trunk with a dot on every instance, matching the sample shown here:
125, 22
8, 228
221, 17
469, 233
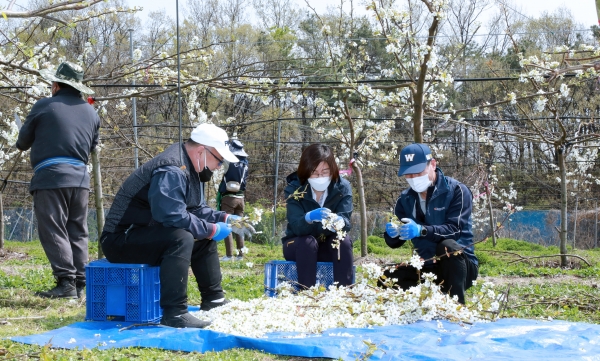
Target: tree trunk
1, 225
363, 209
491, 210
560, 152
98, 197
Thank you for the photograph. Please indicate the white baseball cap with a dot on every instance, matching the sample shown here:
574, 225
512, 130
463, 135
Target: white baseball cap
212, 136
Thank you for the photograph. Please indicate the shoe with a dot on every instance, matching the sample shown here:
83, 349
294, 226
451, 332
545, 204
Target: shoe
80, 288
65, 288
183, 321
239, 258
209, 305
226, 258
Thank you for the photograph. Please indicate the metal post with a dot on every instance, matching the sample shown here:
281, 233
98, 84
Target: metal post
134, 107
179, 85
276, 174
491, 210
30, 227
98, 197
575, 221
596, 226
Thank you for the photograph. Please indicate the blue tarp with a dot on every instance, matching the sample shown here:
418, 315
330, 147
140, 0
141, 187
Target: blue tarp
506, 339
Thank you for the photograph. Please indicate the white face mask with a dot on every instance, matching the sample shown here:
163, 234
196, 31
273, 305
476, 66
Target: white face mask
319, 184
419, 184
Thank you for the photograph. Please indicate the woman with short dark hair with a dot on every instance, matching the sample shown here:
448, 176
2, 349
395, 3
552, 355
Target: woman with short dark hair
313, 192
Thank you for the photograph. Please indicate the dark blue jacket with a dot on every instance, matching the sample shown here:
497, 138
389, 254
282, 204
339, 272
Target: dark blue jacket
166, 191
448, 216
236, 172
339, 200
64, 125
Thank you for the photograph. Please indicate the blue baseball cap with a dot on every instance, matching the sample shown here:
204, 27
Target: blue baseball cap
414, 158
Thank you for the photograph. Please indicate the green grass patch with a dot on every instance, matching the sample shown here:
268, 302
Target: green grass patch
542, 291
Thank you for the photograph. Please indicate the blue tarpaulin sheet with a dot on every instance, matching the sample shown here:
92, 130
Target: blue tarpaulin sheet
506, 339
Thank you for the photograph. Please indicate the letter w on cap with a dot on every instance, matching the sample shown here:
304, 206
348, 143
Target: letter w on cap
409, 157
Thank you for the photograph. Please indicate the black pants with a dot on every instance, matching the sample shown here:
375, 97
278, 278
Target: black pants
455, 274
173, 249
306, 251
62, 225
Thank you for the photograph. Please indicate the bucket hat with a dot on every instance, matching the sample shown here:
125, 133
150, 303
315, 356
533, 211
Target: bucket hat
67, 73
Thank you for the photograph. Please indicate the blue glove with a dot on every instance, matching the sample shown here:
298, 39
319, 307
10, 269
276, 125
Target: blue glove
232, 218
223, 230
317, 215
409, 229
392, 230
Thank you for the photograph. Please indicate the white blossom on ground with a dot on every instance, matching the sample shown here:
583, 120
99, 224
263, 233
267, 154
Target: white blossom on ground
362, 305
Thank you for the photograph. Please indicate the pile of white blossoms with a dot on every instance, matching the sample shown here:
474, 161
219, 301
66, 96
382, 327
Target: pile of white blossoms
361, 305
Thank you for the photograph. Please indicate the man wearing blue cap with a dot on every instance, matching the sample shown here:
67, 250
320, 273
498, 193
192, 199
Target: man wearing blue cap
436, 216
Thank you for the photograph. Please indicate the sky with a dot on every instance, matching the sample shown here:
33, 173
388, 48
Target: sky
584, 11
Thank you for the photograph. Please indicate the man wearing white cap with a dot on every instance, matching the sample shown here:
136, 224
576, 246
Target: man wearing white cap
160, 217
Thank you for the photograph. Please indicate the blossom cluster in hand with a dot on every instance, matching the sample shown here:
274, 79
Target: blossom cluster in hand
361, 305
336, 224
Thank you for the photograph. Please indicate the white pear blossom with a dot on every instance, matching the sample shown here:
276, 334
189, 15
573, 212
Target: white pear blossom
361, 305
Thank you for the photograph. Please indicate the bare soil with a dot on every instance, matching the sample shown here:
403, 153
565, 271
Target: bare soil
525, 281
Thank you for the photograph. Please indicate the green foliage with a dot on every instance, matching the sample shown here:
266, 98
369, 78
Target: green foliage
266, 224
375, 245
507, 244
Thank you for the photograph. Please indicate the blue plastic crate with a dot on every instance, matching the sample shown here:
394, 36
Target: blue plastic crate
277, 272
122, 292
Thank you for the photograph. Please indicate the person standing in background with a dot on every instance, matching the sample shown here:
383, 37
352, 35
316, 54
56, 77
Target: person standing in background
62, 131
231, 192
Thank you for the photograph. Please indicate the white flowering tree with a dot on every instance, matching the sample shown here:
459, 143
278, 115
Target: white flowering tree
545, 101
21, 57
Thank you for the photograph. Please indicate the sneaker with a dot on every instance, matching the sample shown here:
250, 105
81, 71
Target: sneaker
209, 305
183, 321
226, 258
65, 288
239, 258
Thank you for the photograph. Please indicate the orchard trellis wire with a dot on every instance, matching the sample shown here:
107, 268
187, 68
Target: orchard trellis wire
119, 152
275, 132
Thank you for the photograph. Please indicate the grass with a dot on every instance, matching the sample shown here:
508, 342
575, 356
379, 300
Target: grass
538, 288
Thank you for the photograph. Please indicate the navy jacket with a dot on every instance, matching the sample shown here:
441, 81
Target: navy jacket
166, 191
449, 205
64, 125
236, 172
339, 200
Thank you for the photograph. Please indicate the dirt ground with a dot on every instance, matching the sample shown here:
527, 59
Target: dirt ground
524, 281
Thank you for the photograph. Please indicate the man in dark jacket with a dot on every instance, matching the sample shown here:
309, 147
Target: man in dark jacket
62, 131
160, 217
436, 216
231, 193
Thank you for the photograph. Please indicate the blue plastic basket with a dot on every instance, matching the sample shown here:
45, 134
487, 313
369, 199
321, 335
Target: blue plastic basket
277, 272
122, 292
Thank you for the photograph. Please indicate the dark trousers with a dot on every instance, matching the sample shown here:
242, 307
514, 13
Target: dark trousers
62, 226
174, 250
233, 205
306, 251
455, 274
